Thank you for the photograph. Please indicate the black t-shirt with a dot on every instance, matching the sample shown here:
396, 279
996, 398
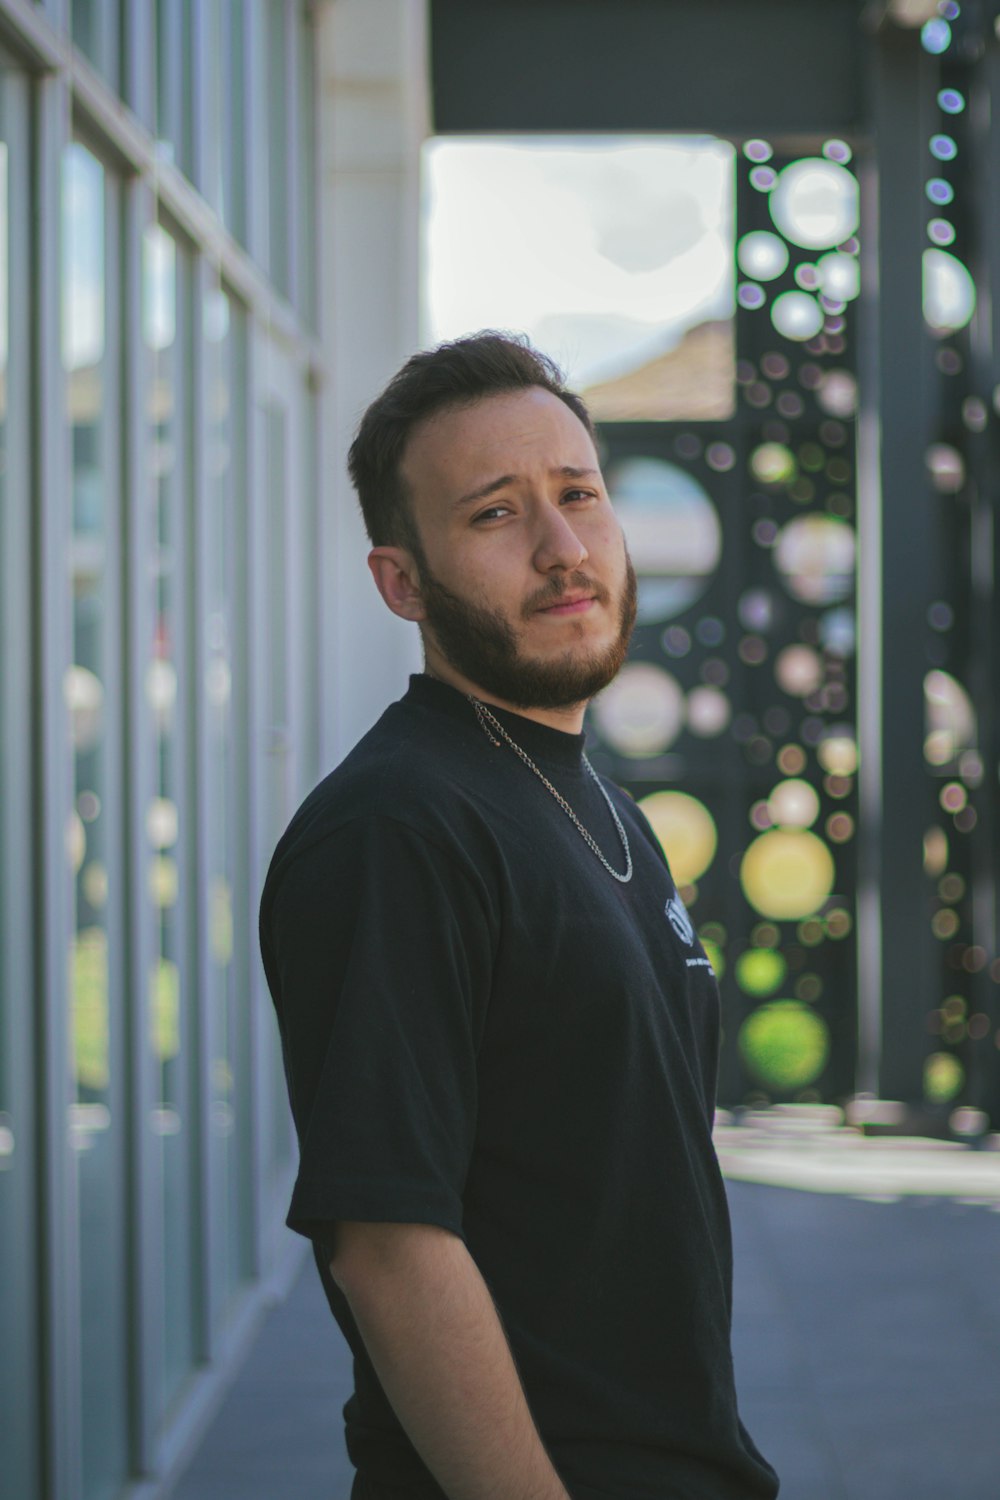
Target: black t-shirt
483, 1030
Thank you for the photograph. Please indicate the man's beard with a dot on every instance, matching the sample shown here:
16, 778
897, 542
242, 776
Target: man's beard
482, 644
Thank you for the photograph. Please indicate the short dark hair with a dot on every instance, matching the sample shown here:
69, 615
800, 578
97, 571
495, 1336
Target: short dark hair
454, 374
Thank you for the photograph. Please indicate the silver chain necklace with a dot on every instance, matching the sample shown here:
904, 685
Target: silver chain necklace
487, 719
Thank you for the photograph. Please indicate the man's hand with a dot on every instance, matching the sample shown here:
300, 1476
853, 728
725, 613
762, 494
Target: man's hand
441, 1355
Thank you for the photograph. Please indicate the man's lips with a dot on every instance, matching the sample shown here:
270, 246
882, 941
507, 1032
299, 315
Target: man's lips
575, 604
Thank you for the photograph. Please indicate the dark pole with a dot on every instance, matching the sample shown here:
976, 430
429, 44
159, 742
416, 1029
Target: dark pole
895, 804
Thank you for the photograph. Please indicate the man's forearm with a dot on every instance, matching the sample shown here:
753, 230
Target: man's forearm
440, 1352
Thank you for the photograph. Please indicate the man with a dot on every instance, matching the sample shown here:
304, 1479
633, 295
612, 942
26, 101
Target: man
501, 1052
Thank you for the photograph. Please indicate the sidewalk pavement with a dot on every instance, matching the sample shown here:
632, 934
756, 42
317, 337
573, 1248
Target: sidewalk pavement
866, 1329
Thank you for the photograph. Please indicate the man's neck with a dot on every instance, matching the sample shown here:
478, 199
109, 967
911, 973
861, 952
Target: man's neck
568, 720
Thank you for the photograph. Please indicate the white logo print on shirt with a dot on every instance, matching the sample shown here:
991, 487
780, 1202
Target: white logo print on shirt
681, 923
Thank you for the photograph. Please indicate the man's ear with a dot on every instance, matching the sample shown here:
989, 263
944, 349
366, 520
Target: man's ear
397, 580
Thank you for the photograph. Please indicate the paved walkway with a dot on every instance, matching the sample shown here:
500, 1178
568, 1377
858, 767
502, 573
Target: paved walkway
866, 1330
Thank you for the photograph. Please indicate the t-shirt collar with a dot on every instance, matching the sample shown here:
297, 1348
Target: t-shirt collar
540, 741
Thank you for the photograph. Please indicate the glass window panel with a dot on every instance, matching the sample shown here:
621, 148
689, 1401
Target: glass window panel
306, 59
224, 136
95, 1117
224, 326
97, 31
166, 319
174, 98
279, 167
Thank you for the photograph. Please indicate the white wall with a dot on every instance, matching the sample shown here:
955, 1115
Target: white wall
374, 115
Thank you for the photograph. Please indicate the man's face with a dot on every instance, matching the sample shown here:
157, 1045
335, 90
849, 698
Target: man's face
527, 589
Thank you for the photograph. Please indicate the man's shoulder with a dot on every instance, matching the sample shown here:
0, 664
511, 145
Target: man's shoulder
404, 771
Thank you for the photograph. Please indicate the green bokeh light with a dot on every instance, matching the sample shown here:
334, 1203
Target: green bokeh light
760, 971
784, 1044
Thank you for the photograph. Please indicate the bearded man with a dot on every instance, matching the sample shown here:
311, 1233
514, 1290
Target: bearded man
500, 1043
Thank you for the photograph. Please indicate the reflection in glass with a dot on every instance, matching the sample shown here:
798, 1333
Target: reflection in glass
641, 712
95, 1122
672, 530
166, 313
222, 324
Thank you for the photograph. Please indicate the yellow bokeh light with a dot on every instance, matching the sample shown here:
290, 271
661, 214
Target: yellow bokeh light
837, 753
787, 873
935, 851
686, 831
944, 1077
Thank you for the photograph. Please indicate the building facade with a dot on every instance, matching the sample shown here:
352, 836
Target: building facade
188, 191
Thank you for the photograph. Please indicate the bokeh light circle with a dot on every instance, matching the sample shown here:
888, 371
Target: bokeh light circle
799, 670
773, 463
944, 1077
837, 393
787, 873
762, 255
947, 468
793, 804
686, 831
939, 191
837, 751
815, 557
797, 316
708, 712
949, 717
840, 276
641, 712
672, 530
943, 147
785, 1044
815, 203
935, 36
949, 291
750, 295
760, 971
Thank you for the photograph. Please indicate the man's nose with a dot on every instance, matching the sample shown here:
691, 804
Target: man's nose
557, 545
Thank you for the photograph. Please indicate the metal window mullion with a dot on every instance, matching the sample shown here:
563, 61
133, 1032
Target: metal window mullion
206, 1188
254, 145
253, 727
292, 166
51, 631
118, 936
144, 1211
18, 852
139, 61
196, 68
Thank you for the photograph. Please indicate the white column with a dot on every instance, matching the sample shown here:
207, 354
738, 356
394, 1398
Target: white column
374, 115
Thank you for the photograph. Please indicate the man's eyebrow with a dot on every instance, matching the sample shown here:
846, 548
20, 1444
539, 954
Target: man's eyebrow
565, 471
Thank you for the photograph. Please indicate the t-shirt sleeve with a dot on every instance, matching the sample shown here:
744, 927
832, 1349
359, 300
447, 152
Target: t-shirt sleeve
382, 955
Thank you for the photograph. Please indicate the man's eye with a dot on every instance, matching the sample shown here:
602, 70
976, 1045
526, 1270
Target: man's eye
579, 495
488, 515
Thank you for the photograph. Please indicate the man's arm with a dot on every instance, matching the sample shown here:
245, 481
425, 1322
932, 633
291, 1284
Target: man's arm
439, 1350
